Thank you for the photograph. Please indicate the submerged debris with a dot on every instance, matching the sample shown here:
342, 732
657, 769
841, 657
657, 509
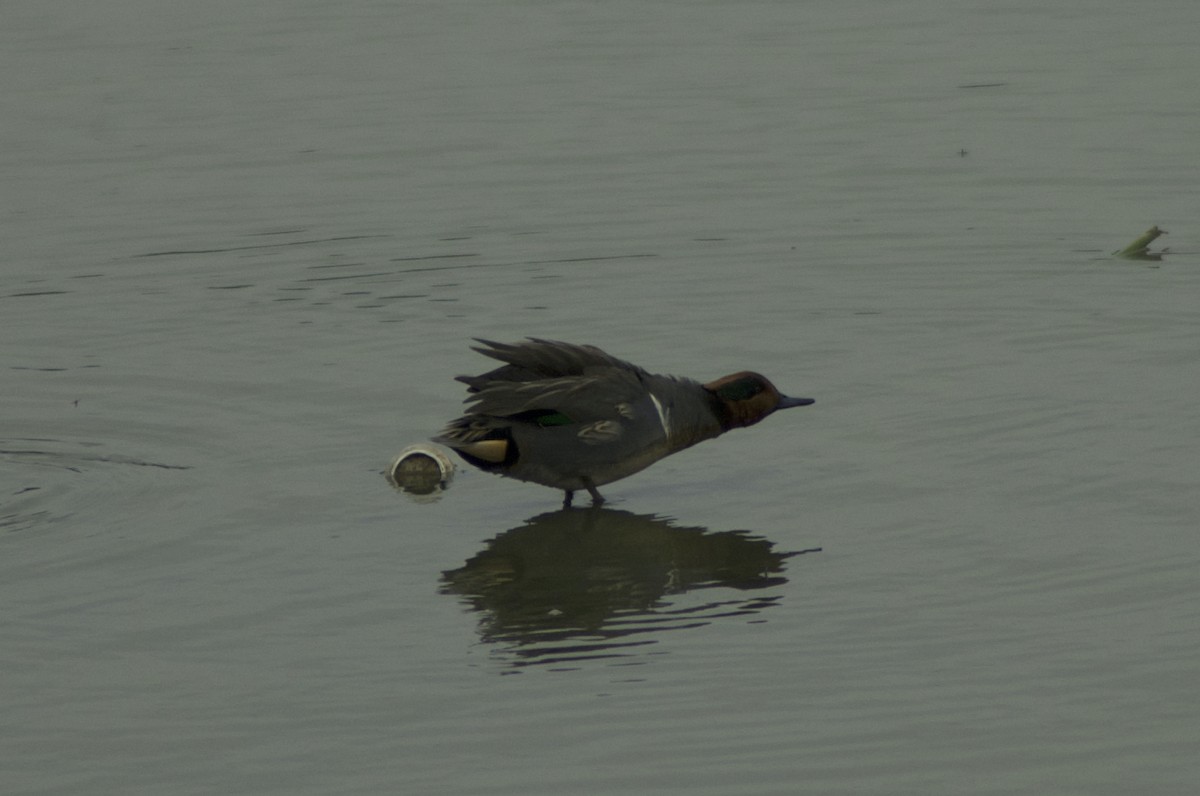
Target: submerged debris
1140, 248
422, 471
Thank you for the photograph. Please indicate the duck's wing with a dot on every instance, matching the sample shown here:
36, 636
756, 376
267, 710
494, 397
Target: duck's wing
535, 359
602, 394
601, 407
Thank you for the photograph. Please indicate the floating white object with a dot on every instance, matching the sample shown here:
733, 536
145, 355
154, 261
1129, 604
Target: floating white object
421, 470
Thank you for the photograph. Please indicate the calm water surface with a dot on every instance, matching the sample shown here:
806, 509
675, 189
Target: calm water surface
246, 247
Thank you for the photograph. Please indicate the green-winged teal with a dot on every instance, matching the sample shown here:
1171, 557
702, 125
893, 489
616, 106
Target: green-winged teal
573, 417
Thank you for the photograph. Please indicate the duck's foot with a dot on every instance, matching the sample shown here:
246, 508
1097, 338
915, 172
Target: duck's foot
567, 495
597, 498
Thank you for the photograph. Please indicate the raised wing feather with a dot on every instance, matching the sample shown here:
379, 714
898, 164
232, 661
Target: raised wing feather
535, 359
548, 385
583, 399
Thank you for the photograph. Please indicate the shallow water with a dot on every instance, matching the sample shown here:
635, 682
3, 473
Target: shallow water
247, 247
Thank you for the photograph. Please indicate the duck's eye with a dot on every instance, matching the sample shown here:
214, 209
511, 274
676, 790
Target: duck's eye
741, 390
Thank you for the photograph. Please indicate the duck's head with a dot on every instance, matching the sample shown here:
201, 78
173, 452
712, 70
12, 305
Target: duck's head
746, 398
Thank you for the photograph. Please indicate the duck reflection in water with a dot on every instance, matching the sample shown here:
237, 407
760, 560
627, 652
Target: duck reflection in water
581, 584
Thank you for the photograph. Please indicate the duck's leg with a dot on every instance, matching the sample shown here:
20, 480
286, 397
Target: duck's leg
567, 495
597, 498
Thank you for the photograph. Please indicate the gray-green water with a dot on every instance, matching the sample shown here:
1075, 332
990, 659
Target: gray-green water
246, 246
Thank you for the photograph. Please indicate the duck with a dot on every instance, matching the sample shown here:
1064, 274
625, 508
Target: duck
573, 417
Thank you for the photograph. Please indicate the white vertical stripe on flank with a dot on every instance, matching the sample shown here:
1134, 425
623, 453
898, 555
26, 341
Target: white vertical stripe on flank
664, 415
